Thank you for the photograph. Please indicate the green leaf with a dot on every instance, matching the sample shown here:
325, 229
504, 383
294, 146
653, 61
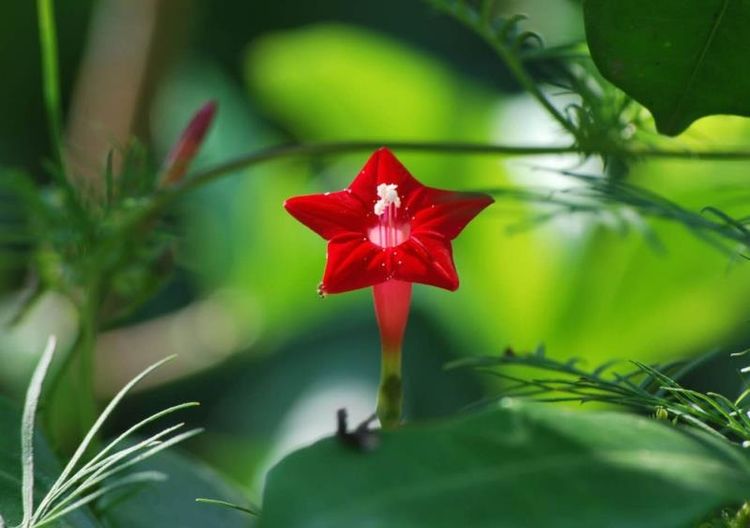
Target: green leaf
172, 503
682, 59
513, 465
46, 470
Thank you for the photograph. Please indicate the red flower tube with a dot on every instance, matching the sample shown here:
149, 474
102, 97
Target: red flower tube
387, 230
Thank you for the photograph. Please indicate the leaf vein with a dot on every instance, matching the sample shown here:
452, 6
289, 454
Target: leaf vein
697, 66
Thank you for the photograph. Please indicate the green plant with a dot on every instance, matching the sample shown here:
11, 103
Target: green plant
653, 389
85, 477
108, 246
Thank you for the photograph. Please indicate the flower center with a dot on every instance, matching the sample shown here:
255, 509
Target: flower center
389, 231
388, 195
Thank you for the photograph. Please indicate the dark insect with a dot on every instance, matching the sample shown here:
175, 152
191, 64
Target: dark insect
362, 438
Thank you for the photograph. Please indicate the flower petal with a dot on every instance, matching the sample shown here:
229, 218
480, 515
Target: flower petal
353, 262
329, 214
444, 212
426, 258
382, 167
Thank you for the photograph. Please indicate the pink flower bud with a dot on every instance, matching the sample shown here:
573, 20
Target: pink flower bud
182, 154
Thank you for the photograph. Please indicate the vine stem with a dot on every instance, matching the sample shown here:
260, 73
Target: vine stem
483, 28
201, 178
528, 84
342, 147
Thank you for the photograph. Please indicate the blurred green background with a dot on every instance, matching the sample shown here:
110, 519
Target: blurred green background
271, 361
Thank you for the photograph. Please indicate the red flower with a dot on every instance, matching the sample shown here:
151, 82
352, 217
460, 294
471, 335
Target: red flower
387, 226
388, 231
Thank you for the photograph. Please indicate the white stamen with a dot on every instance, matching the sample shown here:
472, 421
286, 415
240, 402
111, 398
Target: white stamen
388, 195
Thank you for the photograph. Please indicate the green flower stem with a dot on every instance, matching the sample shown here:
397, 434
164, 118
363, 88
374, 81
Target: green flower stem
390, 393
392, 300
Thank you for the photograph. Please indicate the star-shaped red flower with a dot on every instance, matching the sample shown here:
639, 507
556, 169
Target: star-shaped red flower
387, 226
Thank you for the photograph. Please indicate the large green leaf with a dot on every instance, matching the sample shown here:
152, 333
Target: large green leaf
172, 504
682, 59
513, 465
46, 469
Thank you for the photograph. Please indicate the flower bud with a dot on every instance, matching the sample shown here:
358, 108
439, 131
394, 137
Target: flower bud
182, 154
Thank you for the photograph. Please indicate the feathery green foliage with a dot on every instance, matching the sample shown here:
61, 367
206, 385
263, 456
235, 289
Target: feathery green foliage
620, 199
654, 389
83, 482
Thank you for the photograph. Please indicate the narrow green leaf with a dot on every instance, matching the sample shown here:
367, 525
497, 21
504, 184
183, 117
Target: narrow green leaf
134, 478
101, 460
135, 428
76, 458
742, 397
173, 504
46, 469
250, 511
27, 430
99, 472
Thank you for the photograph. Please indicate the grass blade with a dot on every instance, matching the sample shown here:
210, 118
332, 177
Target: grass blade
75, 459
139, 425
27, 430
741, 397
98, 470
94, 464
92, 472
254, 511
135, 478
101, 477
149, 453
